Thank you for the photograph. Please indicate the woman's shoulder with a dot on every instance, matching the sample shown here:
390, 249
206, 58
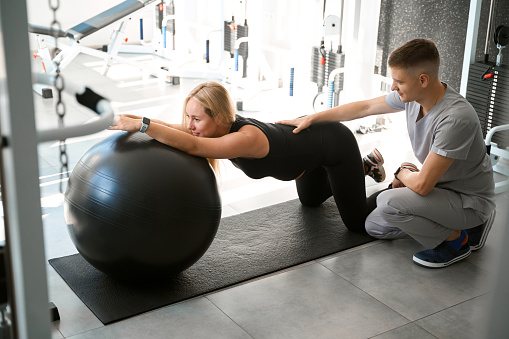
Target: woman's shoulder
241, 121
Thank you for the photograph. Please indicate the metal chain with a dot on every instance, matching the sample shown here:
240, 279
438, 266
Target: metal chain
59, 85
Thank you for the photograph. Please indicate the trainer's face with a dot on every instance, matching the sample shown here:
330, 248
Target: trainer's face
407, 84
198, 122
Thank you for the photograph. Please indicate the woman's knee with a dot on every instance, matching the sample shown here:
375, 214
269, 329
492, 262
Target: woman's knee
306, 201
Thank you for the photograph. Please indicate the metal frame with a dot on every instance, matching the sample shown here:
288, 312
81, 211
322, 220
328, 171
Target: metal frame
470, 42
20, 188
497, 325
28, 286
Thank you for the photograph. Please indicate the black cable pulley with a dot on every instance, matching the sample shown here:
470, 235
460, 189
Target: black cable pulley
501, 35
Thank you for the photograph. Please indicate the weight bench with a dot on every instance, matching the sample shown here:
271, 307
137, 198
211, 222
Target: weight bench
121, 13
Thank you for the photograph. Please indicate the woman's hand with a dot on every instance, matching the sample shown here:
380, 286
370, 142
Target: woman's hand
132, 116
128, 123
300, 123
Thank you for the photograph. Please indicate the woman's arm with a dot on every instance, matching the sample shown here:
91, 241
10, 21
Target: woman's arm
432, 170
248, 142
161, 122
346, 112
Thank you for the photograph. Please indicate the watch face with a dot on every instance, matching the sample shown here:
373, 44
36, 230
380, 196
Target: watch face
146, 121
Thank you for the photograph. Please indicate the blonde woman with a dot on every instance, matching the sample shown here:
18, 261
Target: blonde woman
323, 159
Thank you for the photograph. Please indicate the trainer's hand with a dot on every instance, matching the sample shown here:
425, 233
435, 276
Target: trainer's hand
397, 184
300, 123
126, 123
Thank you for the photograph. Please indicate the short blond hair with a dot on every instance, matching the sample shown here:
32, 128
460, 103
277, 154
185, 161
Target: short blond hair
217, 103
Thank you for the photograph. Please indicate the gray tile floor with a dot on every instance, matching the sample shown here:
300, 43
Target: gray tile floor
372, 291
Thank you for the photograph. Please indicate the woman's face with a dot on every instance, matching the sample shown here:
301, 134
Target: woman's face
200, 123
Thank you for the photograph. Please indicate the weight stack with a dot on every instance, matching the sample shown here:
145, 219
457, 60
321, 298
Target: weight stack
170, 10
317, 69
320, 73
230, 36
490, 99
242, 31
336, 60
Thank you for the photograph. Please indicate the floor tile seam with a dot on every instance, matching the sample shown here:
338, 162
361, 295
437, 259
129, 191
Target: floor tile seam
479, 266
80, 333
237, 211
449, 307
459, 303
349, 251
369, 294
57, 329
242, 328
411, 322
261, 277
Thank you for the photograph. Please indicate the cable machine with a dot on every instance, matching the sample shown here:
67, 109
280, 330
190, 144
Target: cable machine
327, 65
487, 89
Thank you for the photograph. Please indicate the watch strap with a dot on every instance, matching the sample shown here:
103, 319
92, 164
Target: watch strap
145, 122
396, 173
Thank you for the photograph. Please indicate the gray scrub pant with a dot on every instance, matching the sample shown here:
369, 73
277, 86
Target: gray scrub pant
402, 213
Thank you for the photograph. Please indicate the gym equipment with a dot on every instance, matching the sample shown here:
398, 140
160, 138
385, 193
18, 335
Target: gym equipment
327, 66
86, 97
488, 92
163, 19
121, 13
234, 45
246, 246
137, 209
27, 313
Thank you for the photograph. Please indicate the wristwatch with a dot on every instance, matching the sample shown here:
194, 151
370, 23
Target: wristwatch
144, 124
396, 173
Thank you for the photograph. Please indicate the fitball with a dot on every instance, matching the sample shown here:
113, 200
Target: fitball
138, 209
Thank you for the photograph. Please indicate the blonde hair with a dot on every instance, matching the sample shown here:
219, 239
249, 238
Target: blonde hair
217, 103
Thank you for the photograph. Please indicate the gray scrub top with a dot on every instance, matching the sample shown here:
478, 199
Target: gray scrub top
452, 129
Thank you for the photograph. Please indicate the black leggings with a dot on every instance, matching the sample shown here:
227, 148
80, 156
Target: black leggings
341, 175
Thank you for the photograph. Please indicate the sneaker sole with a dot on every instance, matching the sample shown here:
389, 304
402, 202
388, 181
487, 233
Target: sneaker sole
428, 264
410, 166
378, 156
382, 173
484, 235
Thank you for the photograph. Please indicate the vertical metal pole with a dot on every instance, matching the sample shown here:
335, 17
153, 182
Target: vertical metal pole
497, 325
20, 170
489, 30
470, 42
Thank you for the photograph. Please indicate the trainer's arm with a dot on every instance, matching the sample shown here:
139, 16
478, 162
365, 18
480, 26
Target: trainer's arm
422, 182
346, 112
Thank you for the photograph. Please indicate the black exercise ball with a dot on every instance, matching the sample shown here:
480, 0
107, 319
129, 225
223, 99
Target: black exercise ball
138, 209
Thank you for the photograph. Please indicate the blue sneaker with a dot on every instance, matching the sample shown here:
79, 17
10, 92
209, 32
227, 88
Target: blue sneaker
441, 256
477, 235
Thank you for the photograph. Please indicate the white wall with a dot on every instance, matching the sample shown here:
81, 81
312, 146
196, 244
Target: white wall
360, 38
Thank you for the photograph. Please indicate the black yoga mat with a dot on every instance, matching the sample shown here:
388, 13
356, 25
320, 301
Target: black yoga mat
246, 246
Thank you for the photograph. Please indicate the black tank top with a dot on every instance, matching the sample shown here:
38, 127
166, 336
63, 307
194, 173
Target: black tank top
289, 154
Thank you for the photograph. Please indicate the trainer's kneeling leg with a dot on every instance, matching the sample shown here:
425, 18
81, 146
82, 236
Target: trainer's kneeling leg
377, 227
